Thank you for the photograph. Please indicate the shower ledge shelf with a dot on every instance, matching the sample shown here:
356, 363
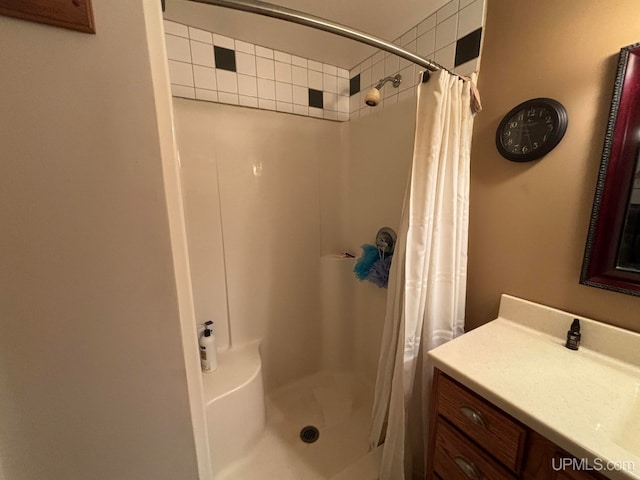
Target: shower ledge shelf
235, 407
237, 366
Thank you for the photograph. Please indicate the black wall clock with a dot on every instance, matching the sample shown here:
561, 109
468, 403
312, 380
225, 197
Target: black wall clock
531, 130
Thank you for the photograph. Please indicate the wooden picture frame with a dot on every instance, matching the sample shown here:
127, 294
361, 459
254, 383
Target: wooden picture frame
72, 14
600, 267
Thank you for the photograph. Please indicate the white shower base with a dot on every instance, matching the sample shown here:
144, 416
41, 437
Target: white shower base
339, 405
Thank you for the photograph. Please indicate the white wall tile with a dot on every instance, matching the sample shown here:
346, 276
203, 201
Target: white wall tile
204, 77
316, 112
230, 98
408, 77
390, 99
317, 66
447, 10
248, 101
427, 24
282, 57
245, 47
247, 85
409, 37
283, 71
343, 104
329, 83
264, 52
245, 63
265, 68
365, 79
343, 86
330, 69
391, 65
266, 89
300, 95
175, 28
284, 92
330, 101
227, 81
470, 18
181, 73
330, 115
200, 35
299, 61
202, 54
178, 48
224, 42
412, 47
299, 76
366, 63
409, 93
206, 95
446, 56
446, 32
315, 80
284, 107
301, 109
182, 91
276, 80
266, 104
426, 44
377, 73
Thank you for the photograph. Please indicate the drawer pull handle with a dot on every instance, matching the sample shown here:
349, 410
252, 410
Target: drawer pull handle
468, 468
474, 416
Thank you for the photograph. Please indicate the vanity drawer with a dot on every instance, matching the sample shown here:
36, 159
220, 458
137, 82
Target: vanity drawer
457, 458
494, 430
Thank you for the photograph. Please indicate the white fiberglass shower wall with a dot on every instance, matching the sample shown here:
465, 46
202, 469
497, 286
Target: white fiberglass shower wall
269, 198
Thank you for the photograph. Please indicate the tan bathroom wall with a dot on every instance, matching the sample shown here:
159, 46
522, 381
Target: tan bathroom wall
529, 221
92, 370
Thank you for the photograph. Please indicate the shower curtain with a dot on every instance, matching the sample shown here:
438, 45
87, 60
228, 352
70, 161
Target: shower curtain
427, 285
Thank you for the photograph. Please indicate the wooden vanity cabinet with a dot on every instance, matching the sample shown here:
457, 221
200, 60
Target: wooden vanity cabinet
471, 439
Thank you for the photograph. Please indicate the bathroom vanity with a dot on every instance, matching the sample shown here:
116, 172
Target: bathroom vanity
509, 401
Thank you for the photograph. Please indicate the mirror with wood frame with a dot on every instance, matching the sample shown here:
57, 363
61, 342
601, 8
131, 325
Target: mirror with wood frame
612, 253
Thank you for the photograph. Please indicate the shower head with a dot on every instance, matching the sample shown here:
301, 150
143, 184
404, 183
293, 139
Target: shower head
372, 98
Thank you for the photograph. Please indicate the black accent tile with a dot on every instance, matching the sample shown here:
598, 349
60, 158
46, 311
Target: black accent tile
225, 58
354, 85
315, 98
468, 47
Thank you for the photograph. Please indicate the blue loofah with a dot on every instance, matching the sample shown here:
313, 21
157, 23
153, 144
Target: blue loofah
379, 273
370, 266
365, 262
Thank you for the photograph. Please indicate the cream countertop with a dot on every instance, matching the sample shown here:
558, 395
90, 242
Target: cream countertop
586, 401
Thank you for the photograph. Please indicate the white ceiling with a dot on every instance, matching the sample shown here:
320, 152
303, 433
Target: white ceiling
385, 19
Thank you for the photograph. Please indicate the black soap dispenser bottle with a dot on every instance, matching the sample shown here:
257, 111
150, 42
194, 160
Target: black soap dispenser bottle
573, 335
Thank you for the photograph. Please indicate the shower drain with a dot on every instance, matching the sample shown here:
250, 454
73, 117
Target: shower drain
309, 434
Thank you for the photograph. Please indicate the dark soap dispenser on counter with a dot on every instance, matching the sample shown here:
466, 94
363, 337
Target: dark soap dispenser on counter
573, 335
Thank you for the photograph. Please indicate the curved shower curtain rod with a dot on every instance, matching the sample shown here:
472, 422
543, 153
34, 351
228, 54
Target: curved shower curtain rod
290, 15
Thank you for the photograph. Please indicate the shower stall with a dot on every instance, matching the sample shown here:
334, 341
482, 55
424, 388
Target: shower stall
270, 200
272, 203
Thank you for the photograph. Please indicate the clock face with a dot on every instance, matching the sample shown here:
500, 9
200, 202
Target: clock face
531, 130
